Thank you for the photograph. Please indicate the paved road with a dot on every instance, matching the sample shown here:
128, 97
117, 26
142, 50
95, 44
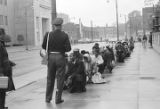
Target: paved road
133, 85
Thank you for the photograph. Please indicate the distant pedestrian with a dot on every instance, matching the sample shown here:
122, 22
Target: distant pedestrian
150, 39
58, 44
144, 41
5, 68
131, 43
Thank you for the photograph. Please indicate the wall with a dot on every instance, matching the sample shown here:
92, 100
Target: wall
42, 19
24, 22
7, 10
156, 41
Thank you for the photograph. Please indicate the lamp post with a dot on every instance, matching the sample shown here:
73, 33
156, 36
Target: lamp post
26, 28
28, 6
54, 11
117, 22
126, 26
91, 30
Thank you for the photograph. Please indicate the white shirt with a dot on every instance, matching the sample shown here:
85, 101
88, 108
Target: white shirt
97, 60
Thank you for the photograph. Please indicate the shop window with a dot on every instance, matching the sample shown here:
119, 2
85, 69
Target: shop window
1, 2
37, 23
1, 20
6, 20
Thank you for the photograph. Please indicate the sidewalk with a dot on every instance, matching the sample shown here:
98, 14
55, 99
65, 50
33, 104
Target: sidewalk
133, 85
13, 49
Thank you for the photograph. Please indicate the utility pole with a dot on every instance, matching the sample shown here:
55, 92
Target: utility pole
92, 30
54, 11
126, 26
80, 28
26, 28
117, 20
130, 26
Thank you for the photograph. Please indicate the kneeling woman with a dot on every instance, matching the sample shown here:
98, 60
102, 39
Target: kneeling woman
76, 72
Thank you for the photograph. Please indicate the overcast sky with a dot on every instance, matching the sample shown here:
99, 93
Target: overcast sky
100, 12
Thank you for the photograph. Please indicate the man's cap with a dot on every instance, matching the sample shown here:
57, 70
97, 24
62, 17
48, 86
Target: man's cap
76, 50
58, 21
86, 55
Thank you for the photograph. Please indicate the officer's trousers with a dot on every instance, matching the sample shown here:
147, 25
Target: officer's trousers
56, 69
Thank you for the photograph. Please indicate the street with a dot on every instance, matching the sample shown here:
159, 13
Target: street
133, 85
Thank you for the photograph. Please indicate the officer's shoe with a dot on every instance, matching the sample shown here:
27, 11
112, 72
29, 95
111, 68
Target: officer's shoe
58, 98
59, 101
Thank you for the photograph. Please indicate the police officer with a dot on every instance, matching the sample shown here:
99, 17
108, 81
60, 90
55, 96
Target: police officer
57, 46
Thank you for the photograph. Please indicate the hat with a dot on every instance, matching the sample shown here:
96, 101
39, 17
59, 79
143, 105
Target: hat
86, 55
75, 50
58, 21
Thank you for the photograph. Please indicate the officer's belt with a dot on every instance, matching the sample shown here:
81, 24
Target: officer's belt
55, 52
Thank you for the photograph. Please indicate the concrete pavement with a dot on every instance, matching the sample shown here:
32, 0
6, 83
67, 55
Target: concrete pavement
14, 49
133, 85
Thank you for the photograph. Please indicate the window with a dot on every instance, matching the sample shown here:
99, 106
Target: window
1, 20
1, 2
37, 23
5, 2
6, 20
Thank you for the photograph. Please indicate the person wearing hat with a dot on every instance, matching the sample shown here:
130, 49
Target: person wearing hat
5, 68
58, 44
76, 72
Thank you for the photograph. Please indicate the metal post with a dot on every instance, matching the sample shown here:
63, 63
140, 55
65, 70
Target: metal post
92, 30
130, 26
26, 29
117, 20
125, 26
54, 11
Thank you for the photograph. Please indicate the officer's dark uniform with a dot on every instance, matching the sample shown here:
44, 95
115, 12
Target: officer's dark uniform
58, 44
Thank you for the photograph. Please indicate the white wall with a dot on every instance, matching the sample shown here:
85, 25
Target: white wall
42, 10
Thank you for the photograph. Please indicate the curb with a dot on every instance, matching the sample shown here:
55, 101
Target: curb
23, 50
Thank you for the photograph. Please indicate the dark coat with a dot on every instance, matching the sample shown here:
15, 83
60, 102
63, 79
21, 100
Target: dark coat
5, 66
58, 42
77, 72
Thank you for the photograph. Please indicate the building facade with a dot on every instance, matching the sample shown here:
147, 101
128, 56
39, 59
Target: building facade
135, 23
30, 19
147, 13
65, 17
73, 31
156, 28
7, 16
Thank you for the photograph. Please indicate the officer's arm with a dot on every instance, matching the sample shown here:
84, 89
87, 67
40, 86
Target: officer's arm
1, 60
67, 44
45, 41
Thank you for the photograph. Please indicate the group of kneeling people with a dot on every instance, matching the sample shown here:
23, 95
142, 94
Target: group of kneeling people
84, 67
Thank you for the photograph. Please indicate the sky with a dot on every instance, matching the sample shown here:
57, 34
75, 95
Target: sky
100, 12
